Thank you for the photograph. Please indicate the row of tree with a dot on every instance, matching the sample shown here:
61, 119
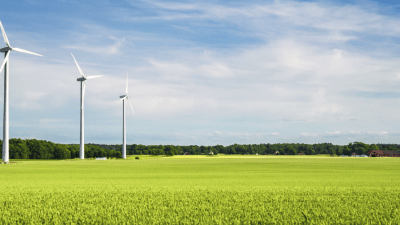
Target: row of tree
38, 149
281, 149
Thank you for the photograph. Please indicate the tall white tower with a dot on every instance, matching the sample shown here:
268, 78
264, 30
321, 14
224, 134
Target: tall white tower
82, 79
7, 50
123, 98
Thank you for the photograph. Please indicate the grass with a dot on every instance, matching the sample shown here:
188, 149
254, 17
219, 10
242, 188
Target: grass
202, 189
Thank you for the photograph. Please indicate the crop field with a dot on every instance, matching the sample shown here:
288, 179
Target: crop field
202, 190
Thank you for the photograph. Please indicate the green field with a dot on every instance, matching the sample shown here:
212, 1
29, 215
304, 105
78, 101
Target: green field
203, 190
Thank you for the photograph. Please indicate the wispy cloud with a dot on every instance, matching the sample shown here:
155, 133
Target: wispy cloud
218, 72
109, 49
371, 94
297, 14
361, 134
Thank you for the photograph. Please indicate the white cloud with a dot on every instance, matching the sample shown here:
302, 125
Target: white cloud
108, 49
278, 61
362, 134
379, 133
333, 133
324, 16
308, 134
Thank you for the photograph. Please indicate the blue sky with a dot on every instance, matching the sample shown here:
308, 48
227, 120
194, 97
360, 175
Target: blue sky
215, 72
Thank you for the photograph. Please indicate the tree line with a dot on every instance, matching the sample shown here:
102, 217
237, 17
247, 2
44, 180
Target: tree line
39, 149
282, 148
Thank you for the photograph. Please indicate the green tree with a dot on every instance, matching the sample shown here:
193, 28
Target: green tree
118, 154
61, 152
347, 150
37, 149
373, 147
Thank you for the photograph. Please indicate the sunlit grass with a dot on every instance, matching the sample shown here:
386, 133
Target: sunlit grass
202, 189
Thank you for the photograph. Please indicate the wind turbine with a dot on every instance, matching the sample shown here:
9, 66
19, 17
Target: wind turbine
123, 97
7, 50
82, 79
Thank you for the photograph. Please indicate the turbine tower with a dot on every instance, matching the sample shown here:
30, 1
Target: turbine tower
82, 79
123, 97
7, 50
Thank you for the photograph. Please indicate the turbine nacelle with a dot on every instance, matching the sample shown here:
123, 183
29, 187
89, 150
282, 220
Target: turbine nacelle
125, 96
9, 48
5, 49
83, 78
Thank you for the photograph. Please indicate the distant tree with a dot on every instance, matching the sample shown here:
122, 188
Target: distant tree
202, 149
220, 149
231, 150
18, 149
339, 150
331, 151
373, 147
37, 149
347, 150
74, 151
170, 150
118, 154
309, 150
61, 152
290, 150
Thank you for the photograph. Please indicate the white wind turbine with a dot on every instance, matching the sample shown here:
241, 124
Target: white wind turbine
82, 79
7, 50
123, 97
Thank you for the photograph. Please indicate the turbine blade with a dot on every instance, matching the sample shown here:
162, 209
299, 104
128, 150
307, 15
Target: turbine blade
91, 77
127, 98
4, 35
5, 61
126, 84
80, 71
25, 51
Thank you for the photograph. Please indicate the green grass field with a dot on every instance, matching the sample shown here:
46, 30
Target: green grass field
203, 190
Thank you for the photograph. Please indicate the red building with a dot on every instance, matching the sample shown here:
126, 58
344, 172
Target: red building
300, 153
384, 153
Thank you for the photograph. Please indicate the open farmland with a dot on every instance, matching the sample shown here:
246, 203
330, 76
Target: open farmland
202, 189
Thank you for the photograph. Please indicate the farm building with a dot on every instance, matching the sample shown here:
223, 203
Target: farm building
384, 153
